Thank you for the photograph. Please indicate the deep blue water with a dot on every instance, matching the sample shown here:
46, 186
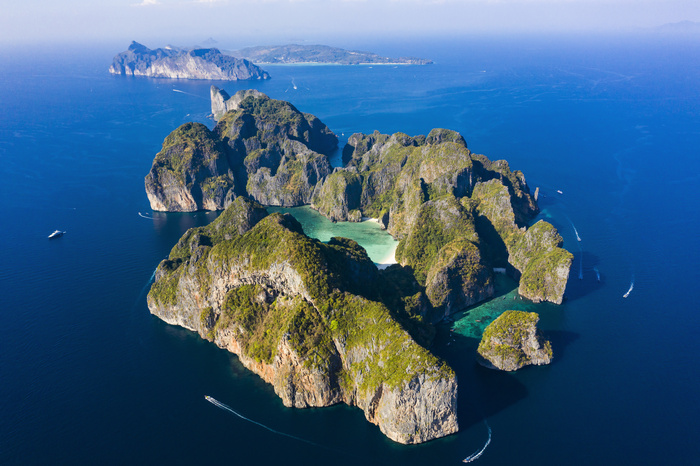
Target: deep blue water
88, 376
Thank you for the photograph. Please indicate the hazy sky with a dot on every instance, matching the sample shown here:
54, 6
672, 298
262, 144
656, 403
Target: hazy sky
158, 22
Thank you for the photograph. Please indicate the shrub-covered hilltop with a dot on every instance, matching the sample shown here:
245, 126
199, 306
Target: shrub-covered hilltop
319, 321
262, 148
513, 341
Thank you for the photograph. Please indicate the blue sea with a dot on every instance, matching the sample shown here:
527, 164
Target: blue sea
88, 376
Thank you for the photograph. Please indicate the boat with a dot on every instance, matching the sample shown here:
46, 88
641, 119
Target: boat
559, 191
56, 234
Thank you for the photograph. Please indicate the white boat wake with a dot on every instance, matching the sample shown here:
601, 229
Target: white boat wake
145, 216
630, 290
189, 93
220, 405
475, 456
578, 237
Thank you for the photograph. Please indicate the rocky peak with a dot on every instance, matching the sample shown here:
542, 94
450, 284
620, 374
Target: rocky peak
221, 102
513, 341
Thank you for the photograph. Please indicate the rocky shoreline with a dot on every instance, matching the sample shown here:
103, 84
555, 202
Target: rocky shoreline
175, 63
319, 321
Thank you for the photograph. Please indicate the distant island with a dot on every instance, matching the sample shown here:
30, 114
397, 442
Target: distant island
319, 321
176, 63
680, 27
292, 53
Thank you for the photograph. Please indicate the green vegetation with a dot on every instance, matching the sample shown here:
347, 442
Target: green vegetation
207, 320
187, 148
538, 276
196, 245
318, 54
259, 323
329, 304
165, 290
467, 271
309, 336
507, 341
503, 336
438, 223
339, 195
511, 326
391, 357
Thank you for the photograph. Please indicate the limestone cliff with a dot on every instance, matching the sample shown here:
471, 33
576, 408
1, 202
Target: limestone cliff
265, 149
338, 196
221, 102
456, 214
139, 60
308, 317
191, 172
535, 252
513, 341
279, 153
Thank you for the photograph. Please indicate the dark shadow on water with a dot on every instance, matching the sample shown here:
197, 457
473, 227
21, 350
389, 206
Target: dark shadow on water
547, 200
482, 392
560, 339
583, 280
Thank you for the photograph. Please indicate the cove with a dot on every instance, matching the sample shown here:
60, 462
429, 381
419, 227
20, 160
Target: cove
379, 244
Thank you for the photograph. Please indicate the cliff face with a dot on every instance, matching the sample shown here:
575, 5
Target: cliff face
338, 196
535, 252
513, 341
280, 154
456, 214
139, 60
265, 149
191, 172
307, 317
221, 102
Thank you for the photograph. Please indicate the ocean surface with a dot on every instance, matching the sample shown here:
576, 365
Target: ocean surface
88, 376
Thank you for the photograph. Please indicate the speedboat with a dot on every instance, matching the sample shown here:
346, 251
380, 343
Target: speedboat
56, 234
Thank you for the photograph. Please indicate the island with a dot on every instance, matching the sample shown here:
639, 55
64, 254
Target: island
293, 53
177, 63
513, 341
318, 320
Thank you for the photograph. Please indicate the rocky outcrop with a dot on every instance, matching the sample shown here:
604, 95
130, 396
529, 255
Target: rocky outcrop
513, 341
279, 153
459, 277
191, 172
265, 149
535, 252
221, 102
306, 316
431, 191
544, 264
400, 172
457, 214
338, 196
139, 60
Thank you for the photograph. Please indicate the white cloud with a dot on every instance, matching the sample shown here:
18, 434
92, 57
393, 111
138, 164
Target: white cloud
147, 3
